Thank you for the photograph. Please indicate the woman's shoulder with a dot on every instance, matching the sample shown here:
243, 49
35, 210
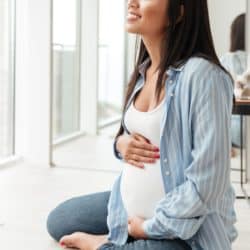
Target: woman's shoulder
202, 68
200, 65
201, 72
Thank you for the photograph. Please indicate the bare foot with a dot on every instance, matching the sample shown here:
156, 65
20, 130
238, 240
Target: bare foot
83, 241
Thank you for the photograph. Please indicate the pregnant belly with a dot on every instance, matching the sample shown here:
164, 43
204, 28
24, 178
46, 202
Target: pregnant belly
141, 189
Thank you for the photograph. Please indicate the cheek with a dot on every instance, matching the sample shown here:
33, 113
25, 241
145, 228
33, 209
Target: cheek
155, 19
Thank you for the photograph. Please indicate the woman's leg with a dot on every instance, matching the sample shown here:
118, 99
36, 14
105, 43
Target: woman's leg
149, 245
86, 213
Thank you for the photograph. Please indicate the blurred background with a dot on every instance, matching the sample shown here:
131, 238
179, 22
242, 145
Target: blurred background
64, 67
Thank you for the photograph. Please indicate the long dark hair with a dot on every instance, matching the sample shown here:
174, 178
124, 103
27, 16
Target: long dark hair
184, 39
238, 33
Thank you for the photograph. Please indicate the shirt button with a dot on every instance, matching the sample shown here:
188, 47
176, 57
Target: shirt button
167, 173
172, 94
165, 160
171, 81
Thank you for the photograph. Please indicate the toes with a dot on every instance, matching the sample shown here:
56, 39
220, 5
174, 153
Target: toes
67, 240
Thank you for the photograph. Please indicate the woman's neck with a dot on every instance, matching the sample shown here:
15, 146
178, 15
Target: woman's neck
153, 47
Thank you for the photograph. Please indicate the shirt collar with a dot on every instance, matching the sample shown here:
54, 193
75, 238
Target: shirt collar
171, 70
143, 66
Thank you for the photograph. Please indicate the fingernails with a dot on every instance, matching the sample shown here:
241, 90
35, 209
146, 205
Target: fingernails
156, 149
62, 244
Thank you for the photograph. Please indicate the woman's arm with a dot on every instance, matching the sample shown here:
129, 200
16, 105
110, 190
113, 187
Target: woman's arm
184, 209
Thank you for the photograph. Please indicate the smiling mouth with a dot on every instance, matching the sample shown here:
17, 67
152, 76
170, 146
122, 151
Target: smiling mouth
132, 17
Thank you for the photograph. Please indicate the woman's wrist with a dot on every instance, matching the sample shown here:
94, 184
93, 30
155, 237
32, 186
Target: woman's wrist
118, 149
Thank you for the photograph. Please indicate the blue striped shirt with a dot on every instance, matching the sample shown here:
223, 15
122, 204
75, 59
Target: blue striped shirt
195, 147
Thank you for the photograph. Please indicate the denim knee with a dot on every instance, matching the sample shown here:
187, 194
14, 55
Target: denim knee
55, 225
87, 213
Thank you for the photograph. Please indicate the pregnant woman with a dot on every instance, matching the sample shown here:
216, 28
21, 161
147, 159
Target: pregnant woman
174, 191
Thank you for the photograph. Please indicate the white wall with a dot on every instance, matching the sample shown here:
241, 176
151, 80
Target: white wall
222, 13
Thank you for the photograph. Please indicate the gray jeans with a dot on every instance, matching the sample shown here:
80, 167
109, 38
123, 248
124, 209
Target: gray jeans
88, 214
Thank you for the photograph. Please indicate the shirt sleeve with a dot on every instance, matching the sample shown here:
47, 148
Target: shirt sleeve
183, 210
116, 152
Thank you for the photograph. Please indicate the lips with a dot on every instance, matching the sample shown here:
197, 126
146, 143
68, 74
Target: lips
133, 16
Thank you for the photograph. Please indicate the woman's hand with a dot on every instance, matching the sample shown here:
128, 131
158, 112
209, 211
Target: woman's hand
136, 149
135, 228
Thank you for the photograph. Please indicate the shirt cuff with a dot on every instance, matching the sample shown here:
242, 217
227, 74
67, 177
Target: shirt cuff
145, 226
117, 154
150, 231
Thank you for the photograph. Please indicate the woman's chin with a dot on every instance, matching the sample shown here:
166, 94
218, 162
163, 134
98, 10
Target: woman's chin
132, 30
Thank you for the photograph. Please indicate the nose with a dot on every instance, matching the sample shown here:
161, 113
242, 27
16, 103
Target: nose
133, 3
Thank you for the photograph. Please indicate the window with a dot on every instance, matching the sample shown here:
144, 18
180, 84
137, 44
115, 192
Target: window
66, 67
7, 79
111, 60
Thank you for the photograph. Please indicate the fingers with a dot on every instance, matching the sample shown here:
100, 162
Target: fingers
136, 164
140, 158
140, 151
138, 161
145, 146
142, 142
140, 137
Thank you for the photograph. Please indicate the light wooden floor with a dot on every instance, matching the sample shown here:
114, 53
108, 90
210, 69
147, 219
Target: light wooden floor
28, 193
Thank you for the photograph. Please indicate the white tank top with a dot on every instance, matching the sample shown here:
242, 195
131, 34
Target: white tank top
141, 189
